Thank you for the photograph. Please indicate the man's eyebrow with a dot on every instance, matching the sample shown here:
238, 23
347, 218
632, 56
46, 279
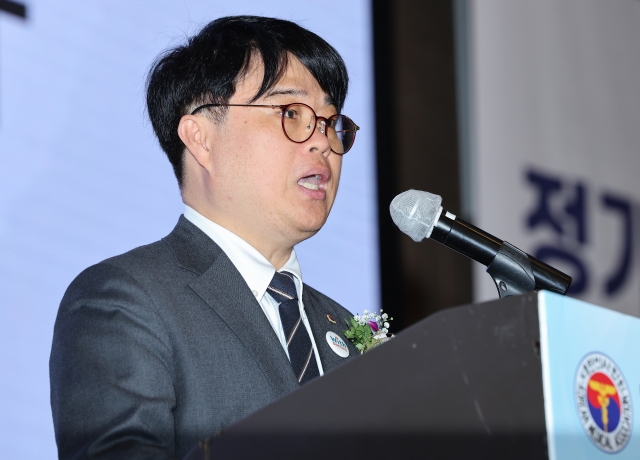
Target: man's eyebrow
285, 91
294, 92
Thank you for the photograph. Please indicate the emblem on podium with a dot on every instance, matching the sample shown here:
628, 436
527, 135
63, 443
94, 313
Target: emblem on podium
603, 402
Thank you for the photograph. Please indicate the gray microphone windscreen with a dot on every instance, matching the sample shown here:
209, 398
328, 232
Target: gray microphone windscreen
415, 213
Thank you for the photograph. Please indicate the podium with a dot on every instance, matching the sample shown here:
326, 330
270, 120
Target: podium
530, 377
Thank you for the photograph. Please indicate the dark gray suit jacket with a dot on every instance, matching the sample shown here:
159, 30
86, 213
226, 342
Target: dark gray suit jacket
158, 348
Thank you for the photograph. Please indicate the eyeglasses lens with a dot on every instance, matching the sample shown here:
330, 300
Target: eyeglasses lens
341, 133
299, 122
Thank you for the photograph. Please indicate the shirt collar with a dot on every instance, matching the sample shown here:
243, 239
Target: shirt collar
254, 268
293, 266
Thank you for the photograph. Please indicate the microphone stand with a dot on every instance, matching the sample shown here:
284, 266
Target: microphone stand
513, 271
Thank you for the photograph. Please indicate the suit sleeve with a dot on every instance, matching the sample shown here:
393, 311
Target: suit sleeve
112, 393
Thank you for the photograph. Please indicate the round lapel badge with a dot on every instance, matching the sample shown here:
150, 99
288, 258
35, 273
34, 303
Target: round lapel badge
604, 403
337, 344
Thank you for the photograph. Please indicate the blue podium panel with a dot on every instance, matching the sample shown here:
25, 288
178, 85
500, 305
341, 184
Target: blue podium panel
591, 379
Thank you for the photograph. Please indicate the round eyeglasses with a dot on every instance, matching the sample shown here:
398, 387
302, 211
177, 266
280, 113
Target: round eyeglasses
299, 121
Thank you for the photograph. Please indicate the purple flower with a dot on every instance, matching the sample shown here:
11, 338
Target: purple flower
374, 326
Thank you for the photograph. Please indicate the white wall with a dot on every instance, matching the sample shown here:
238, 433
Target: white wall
555, 95
82, 177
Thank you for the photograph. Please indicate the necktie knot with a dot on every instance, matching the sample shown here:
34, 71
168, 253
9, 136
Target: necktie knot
282, 287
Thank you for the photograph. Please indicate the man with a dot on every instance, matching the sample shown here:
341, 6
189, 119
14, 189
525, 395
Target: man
160, 347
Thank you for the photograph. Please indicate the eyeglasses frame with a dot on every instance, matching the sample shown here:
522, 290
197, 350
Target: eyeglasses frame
284, 108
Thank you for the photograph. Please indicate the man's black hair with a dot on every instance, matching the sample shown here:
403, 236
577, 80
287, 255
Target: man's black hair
206, 69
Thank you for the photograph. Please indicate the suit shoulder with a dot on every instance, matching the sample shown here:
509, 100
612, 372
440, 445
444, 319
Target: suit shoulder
140, 256
129, 272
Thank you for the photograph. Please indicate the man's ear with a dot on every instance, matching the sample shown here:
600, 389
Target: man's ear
196, 134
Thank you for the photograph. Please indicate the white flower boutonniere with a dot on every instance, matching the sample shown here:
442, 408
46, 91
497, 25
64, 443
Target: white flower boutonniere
369, 330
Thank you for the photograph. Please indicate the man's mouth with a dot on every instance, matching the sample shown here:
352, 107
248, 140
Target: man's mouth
311, 182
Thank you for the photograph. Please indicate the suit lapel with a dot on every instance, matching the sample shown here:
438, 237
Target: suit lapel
223, 289
320, 325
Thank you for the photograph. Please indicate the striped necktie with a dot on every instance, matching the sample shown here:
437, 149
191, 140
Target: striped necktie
283, 289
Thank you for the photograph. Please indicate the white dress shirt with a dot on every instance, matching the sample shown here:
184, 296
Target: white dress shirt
257, 272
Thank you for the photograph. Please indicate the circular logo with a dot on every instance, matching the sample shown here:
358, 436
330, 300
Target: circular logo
603, 402
337, 344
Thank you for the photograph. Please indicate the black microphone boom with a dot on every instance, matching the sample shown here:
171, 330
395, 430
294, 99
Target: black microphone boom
513, 271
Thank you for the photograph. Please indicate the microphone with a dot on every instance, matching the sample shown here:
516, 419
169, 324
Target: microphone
420, 215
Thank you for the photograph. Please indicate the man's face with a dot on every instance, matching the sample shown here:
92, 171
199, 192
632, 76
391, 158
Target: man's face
264, 185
